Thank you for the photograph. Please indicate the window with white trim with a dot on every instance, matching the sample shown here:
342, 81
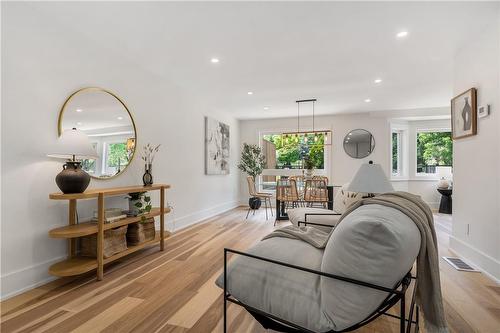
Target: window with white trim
285, 157
397, 152
434, 148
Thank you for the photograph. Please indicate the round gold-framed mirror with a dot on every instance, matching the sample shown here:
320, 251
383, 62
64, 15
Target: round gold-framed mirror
109, 125
359, 143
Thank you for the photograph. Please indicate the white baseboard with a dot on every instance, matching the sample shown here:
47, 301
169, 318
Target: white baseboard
488, 265
197, 217
22, 280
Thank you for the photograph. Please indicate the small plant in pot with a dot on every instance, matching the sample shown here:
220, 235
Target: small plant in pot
139, 203
252, 163
309, 166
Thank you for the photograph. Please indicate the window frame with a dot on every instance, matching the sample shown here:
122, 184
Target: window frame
404, 132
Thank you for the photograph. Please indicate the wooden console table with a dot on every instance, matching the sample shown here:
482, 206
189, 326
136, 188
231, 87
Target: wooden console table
75, 264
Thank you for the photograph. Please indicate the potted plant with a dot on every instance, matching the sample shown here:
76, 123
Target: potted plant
139, 203
144, 230
252, 163
309, 166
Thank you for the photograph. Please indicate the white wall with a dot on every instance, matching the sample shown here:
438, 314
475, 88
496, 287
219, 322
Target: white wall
341, 167
43, 62
476, 193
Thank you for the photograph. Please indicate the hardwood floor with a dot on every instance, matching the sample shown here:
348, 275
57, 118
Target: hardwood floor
174, 291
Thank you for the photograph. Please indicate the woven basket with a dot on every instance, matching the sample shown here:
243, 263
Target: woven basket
114, 242
141, 232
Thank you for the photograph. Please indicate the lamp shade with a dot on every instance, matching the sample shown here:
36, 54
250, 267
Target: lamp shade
370, 178
73, 143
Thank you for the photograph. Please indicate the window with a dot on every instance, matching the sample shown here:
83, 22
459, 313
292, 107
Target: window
286, 154
115, 157
285, 157
89, 165
433, 149
396, 153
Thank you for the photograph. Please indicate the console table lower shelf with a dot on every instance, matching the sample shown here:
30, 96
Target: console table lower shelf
78, 265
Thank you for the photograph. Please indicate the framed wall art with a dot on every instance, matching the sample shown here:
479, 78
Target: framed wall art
216, 147
464, 114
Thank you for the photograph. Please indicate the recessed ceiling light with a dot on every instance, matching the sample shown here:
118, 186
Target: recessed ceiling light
79, 123
120, 118
266, 108
350, 134
368, 100
214, 60
250, 93
377, 80
402, 34
79, 110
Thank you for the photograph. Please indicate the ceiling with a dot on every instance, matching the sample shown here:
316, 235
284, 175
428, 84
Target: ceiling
284, 51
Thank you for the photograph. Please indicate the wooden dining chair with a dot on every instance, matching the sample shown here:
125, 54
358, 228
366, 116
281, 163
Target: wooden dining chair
262, 196
286, 192
316, 192
325, 178
300, 182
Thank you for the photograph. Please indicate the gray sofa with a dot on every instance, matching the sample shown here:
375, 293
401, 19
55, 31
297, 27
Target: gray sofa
374, 244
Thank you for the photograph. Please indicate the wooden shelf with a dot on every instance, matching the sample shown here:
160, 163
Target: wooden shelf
79, 265
75, 264
94, 193
89, 228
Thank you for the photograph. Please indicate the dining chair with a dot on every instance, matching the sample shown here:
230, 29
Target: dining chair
316, 192
287, 193
325, 178
300, 182
254, 194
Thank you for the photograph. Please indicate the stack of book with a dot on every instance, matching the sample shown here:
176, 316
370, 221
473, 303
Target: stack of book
110, 215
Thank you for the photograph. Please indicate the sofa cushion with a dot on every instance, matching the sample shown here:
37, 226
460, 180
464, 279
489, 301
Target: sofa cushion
298, 214
375, 244
284, 292
345, 198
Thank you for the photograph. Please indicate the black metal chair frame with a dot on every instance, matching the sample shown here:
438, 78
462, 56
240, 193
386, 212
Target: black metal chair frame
395, 295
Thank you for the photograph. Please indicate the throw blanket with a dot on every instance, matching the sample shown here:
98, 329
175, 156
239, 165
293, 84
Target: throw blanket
428, 286
313, 236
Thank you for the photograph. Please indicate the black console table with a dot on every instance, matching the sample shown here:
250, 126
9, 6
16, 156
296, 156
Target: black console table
445, 206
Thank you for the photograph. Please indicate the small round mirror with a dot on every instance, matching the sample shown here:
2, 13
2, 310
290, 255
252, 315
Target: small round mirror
106, 120
359, 143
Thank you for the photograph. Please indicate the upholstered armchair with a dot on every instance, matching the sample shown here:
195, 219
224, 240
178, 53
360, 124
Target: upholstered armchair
291, 286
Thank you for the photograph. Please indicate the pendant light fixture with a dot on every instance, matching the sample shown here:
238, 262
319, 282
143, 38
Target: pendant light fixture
303, 136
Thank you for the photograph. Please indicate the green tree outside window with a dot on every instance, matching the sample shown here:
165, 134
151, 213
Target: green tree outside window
117, 155
434, 149
289, 154
395, 151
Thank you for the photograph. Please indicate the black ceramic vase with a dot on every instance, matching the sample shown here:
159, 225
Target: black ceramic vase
72, 179
254, 203
147, 178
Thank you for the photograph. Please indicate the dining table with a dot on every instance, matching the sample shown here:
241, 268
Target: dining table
281, 209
